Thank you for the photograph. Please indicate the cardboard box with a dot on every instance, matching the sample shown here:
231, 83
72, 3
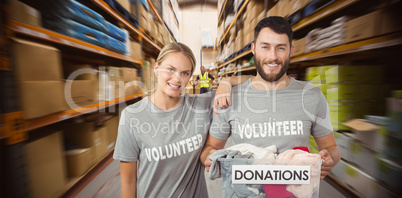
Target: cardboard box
79, 71
77, 161
129, 74
24, 13
273, 11
46, 169
300, 46
370, 135
40, 98
126, 4
112, 129
389, 20
136, 50
82, 93
30, 64
85, 135
363, 27
354, 74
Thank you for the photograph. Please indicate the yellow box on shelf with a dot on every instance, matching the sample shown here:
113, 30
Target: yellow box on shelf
355, 74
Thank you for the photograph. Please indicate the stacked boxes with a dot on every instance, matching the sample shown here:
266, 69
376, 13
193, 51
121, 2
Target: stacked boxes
354, 91
39, 80
46, 169
321, 38
78, 21
86, 135
24, 13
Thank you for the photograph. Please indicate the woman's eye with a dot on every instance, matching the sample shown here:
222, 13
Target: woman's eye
186, 73
170, 70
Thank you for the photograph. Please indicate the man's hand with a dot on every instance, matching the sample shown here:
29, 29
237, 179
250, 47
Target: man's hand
208, 162
327, 164
222, 96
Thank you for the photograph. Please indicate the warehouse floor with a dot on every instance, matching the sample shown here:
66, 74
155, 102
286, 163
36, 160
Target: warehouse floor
105, 182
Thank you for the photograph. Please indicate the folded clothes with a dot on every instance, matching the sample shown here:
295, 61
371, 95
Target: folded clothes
243, 151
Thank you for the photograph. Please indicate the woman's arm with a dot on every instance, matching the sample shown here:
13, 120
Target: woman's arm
223, 93
128, 178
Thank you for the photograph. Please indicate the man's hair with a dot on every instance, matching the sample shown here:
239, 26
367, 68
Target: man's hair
277, 24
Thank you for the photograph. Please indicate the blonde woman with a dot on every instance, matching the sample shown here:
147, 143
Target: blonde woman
161, 137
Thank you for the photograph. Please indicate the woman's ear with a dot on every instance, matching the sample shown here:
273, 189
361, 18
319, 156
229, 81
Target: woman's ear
156, 67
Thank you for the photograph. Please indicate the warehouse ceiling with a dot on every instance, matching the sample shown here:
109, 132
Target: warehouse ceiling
187, 3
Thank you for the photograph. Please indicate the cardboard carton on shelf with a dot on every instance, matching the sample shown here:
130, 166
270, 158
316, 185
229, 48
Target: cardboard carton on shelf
46, 167
370, 135
40, 98
80, 93
24, 13
30, 64
85, 135
363, 27
77, 161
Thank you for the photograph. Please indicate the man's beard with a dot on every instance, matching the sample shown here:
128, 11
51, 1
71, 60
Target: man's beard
271, 77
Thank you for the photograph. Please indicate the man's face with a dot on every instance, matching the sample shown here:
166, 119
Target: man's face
271, 54
202, 69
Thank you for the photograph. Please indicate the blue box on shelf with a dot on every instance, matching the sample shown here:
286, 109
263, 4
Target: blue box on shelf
123, 12
116, 45
315, 6
295, 17
82, 14
84, 33
115, 32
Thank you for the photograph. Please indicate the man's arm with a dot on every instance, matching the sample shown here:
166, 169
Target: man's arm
128, 179
211, 146
329, 152
223, 93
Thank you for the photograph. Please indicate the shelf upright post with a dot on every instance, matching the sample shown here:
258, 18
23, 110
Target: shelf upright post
13, 175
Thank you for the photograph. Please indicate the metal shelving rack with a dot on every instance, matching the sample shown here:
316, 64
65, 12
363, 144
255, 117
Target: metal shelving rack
13, 127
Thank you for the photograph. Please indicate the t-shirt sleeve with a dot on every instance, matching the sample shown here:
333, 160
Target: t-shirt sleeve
322, 125
127, 148
198, 77
220, 127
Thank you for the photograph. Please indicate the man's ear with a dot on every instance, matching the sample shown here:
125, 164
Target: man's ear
253, 48
292, 50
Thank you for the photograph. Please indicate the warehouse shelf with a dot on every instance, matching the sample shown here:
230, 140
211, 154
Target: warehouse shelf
369, 44
117, 16
234, 21
221, 12
235, 58
57, 117
75, 186
174, 14
204, 49
324, 12
238, 70
159, 17
18, 27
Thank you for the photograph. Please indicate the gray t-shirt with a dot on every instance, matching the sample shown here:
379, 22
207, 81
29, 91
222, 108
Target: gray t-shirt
166, 145
285, 117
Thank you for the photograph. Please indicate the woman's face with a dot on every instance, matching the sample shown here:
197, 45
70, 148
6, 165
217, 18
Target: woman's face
173, 74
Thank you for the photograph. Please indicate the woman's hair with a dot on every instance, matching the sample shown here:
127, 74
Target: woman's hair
177, 47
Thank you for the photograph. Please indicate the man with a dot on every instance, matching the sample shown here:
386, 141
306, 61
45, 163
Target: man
272, 108
205, 78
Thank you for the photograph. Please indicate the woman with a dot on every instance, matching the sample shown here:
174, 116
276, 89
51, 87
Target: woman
161, 137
